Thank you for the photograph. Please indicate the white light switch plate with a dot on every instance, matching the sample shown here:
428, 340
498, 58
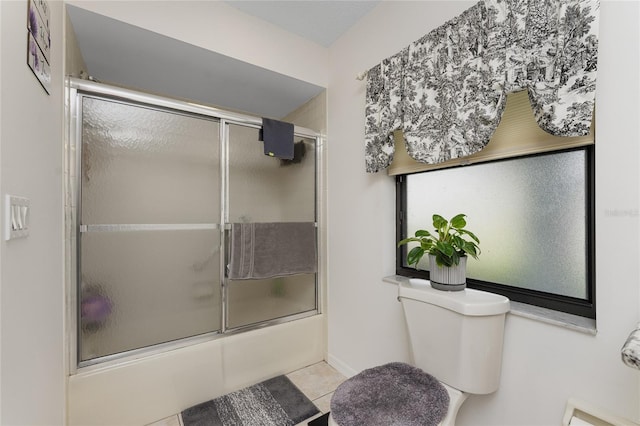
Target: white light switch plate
17, 216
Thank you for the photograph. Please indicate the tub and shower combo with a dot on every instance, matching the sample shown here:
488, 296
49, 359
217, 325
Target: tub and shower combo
170, 206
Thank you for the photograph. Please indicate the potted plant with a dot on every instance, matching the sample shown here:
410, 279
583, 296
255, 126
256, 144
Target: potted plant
448, 249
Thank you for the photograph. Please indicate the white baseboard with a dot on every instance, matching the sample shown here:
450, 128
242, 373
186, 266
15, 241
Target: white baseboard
341, 366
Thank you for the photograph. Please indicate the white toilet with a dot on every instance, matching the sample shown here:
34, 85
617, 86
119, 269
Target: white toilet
456, 337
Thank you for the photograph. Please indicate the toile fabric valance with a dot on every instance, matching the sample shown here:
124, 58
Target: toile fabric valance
446, 91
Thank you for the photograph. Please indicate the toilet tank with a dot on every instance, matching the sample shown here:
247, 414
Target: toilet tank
456, 336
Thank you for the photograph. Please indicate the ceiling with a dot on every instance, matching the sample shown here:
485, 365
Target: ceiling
127, 55
320, 21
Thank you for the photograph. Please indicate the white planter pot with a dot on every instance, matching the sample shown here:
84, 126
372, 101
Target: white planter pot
448, 278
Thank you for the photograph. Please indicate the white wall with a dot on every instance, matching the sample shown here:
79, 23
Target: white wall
31, 310
1, 248
218, 27
543, 364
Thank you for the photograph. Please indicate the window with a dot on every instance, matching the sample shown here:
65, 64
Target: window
534, 216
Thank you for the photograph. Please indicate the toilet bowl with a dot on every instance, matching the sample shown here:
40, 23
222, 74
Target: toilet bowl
455, 338
456, 398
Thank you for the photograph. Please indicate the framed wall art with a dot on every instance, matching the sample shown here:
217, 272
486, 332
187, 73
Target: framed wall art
39, 41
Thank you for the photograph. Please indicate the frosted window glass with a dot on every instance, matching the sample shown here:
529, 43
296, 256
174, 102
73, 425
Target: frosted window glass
142, 165
143, 288
529, 214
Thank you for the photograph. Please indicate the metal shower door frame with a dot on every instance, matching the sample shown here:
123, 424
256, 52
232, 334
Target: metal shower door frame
77, 90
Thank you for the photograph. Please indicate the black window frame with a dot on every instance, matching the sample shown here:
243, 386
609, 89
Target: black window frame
575, 306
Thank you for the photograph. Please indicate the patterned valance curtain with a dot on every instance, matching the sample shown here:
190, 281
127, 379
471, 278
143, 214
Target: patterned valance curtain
517, 135
446, 92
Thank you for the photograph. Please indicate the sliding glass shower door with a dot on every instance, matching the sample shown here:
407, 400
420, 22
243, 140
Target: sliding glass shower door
150, 234
158, 188
264, 189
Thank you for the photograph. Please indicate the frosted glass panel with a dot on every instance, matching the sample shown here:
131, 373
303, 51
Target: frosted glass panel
150, 256
254, 301
142, 165
266, 189
143, 288
528, 213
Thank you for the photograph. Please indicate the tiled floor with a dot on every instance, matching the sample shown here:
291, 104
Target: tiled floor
317, 382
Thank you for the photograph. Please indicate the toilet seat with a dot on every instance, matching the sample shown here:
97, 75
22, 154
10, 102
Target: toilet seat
456, 398
394, 393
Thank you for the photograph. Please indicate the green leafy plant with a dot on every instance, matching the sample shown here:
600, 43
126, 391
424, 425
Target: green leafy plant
448, 244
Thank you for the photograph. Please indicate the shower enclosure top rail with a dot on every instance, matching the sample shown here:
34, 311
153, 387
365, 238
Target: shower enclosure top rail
231, 117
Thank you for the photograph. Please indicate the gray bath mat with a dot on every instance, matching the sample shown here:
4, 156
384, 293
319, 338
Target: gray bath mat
391, 394
275, 402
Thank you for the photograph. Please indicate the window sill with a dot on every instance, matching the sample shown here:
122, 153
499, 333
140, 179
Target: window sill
561, 319
536, 313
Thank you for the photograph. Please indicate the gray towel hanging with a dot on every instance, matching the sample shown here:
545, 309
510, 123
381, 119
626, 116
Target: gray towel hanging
267, 250
278, 138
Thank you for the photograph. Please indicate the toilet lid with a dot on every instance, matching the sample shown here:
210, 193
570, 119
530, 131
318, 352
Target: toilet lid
391, 394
